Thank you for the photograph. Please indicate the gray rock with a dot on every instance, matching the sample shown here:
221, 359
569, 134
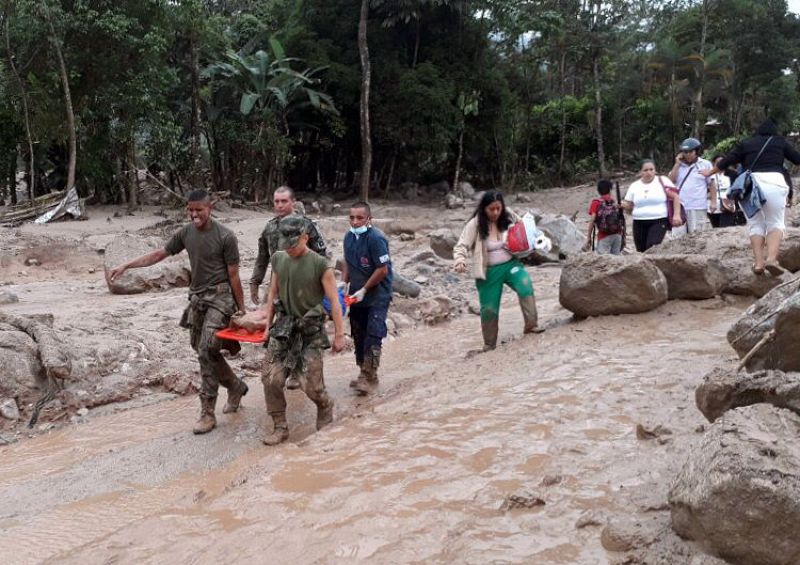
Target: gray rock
409, 190
436, 309
691, 276
466, 189
172, 271
740, 279
420, 257
567, 239
442, 242
405, 287
600, 285
453, 202
441, 187
9, 409
738, 495
775, 317
7, 297
625, 534
725, 389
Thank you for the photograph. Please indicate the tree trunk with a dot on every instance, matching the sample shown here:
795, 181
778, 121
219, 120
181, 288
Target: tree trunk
194, 124
598, 114
366, 141
416, 44
62, 71
563, 124
25, 116
699, 121
133, 187
456, 188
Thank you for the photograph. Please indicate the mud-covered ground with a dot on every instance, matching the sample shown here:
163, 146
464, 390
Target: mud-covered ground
417, 474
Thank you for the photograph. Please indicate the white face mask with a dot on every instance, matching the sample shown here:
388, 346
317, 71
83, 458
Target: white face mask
359, 231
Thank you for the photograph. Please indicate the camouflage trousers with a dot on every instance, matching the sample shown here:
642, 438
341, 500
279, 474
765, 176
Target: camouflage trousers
209, 311
295, 348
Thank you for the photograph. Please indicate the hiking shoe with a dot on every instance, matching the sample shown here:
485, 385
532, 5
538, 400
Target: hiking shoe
364, 386
292, 383
235, 398
278, 435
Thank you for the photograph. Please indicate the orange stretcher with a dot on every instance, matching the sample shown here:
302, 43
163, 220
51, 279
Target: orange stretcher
241, 334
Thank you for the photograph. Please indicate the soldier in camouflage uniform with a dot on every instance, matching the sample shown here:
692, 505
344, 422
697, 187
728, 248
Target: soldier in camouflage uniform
300, 280
283, 202
214, 296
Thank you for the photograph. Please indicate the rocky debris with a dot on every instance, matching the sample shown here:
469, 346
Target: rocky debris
691, 276
648, 431
404, 286
31, 262
442, 242
738, 495
7, 297
20, 366
9, 409
400, 321
172, 271
601, 285
521, 501
436, 309
766, 335
726, 389
453, 202
179, 383
623, 534
551, 480
567, 239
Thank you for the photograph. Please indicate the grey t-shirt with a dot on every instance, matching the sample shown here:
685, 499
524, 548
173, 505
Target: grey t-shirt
210, 251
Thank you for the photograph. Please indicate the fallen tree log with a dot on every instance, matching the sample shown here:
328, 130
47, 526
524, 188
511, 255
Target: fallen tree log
52, 352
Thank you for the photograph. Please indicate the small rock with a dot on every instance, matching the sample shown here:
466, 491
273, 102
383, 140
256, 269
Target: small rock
92, 270
9, 409
520, 501
649, 431
407, 237
8, 297
83, 412
550, 480
588, 518
32, 262
421, 279
474, 308
626, 534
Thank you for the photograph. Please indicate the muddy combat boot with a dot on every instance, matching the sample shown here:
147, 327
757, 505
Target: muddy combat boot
292, 383
325, 415
207, 421
530, 315
368, 378
489, 331
354, 382
235, 397
280, 430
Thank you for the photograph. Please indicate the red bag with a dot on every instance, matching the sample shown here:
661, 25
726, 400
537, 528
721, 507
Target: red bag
671, 206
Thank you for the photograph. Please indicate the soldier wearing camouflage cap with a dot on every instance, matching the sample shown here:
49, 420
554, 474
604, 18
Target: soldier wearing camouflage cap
283, 202
300, 280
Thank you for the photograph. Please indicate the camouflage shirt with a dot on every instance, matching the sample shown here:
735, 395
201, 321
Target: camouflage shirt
268, 245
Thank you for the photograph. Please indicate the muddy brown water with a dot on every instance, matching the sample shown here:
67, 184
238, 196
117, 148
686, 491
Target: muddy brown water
416, 475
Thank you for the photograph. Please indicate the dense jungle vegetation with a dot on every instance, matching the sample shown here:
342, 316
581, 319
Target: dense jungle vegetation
349, 95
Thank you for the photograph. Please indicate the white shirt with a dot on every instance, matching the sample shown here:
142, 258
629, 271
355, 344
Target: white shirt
649, 199
723, 184
694, 189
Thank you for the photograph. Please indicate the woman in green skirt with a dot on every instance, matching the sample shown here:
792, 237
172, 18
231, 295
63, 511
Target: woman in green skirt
493, 266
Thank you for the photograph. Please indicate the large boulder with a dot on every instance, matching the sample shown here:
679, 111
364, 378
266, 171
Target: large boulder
738, 495
567, 239
442, 242
600, 285
725, 389
405, 287
691, 276
770, 328
172, 271
731, 247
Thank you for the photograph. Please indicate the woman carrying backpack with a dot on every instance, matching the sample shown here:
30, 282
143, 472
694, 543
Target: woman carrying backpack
646, 199
493, 266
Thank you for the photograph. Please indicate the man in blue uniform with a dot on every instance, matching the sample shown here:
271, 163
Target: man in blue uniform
368, 269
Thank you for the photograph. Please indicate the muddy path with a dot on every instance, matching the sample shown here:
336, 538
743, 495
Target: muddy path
415, 475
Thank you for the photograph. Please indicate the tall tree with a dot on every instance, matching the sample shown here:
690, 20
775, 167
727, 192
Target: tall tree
366, 72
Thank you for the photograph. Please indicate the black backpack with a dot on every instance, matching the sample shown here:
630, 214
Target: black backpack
607, 218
